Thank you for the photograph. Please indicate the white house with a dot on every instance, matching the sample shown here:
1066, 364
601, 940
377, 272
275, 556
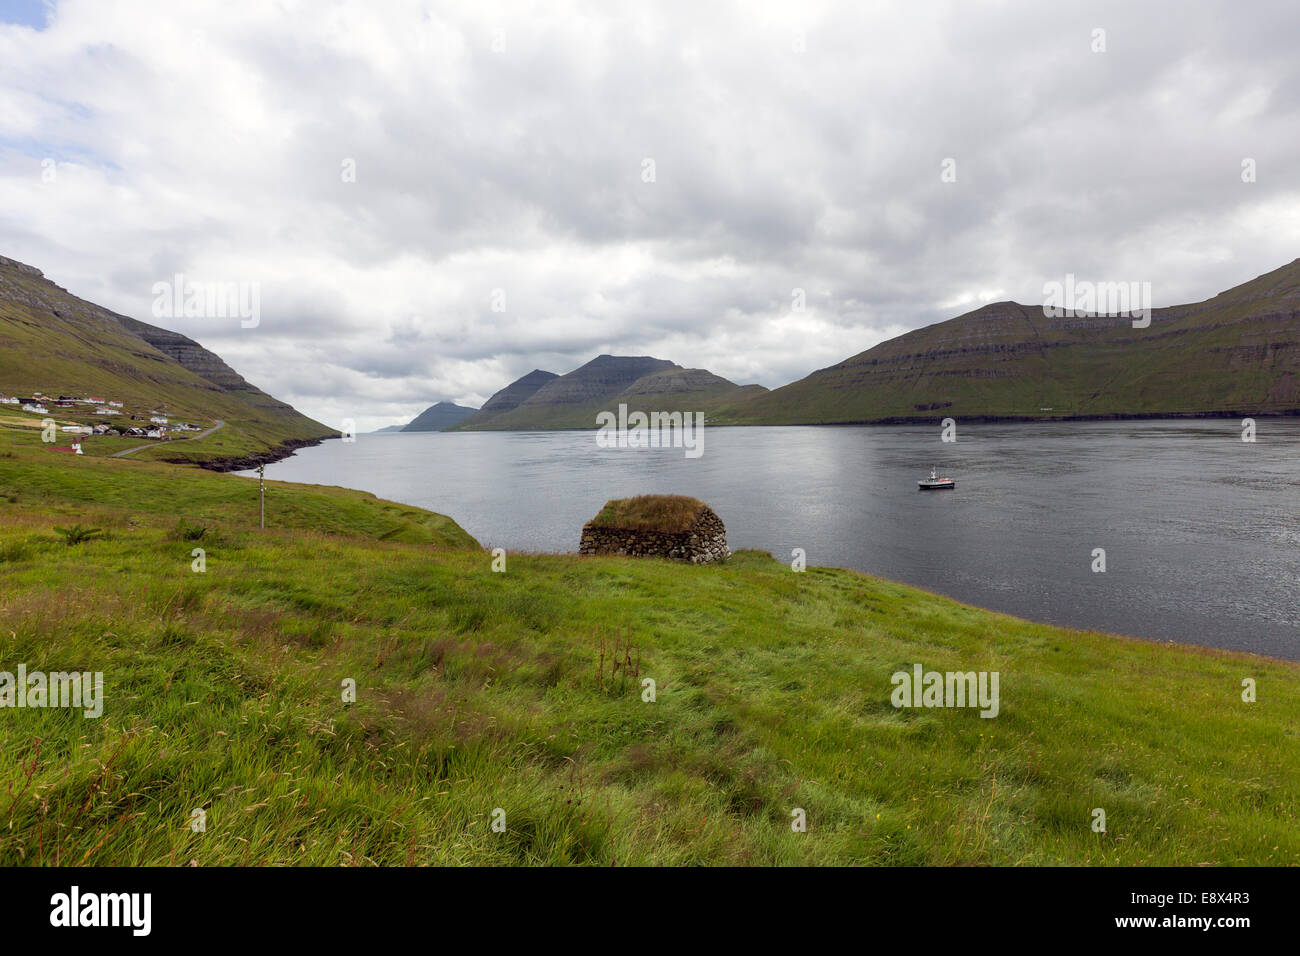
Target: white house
154, 433
38, 409
107, 411
8, 401
115, 404
158, 419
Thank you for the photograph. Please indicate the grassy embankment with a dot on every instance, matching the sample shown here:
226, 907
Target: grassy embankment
478, 690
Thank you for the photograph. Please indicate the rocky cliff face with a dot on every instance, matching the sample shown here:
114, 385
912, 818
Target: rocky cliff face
27, 285
191, 355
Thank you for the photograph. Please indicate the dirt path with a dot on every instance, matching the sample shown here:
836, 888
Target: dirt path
204, 434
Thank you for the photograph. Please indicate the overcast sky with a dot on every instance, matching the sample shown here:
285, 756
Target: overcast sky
504, 146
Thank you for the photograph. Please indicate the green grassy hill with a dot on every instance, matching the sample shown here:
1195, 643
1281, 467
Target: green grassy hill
55, 343
1235, 354
479, 690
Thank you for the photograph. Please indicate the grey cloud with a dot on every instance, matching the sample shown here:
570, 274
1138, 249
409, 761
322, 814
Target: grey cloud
521, 170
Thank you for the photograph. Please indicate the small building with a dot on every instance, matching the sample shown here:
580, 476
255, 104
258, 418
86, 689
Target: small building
158, 419
663, 526
36, 408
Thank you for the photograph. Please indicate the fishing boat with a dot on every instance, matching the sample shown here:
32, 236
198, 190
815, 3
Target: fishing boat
935, 483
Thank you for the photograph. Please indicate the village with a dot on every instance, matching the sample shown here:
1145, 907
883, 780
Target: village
153, 425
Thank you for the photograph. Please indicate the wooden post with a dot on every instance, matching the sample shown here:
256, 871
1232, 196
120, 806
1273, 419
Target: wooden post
261, 487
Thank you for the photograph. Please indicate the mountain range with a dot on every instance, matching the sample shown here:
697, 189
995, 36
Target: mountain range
1237, 353
543, 400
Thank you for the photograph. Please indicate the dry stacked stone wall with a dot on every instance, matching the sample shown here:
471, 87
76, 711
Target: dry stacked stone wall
704, 541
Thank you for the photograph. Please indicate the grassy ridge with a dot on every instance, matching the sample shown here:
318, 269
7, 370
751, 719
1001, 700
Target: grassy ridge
1236, 353
33, 477
53, 342
479, 690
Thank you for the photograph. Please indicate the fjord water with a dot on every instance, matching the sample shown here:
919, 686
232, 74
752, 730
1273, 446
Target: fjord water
1201, 530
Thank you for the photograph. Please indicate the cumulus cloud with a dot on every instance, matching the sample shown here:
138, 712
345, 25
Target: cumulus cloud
503, 217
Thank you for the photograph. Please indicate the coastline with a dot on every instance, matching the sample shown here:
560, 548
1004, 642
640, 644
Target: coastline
929, 419
244, 462
1187, 642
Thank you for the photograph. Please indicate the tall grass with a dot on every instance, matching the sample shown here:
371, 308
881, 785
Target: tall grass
226, 692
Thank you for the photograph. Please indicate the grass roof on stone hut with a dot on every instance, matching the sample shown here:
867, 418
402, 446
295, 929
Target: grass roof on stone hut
668, 513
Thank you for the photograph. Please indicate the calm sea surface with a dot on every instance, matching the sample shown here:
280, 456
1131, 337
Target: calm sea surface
1201, 530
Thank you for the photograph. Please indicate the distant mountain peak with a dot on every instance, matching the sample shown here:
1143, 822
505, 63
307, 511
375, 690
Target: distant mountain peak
439, 417
573, 400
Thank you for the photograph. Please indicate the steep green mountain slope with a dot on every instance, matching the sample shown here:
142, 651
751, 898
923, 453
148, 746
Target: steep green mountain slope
512, 396
642, 383
1237, 353
55, 343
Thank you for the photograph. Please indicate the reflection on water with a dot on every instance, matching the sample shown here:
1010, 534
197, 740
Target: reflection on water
1201, 530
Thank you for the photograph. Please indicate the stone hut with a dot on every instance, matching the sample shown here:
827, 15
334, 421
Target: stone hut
660, 526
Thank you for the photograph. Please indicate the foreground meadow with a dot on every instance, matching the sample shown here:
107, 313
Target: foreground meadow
479, 691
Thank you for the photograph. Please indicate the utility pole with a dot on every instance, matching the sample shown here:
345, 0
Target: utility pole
261, 487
